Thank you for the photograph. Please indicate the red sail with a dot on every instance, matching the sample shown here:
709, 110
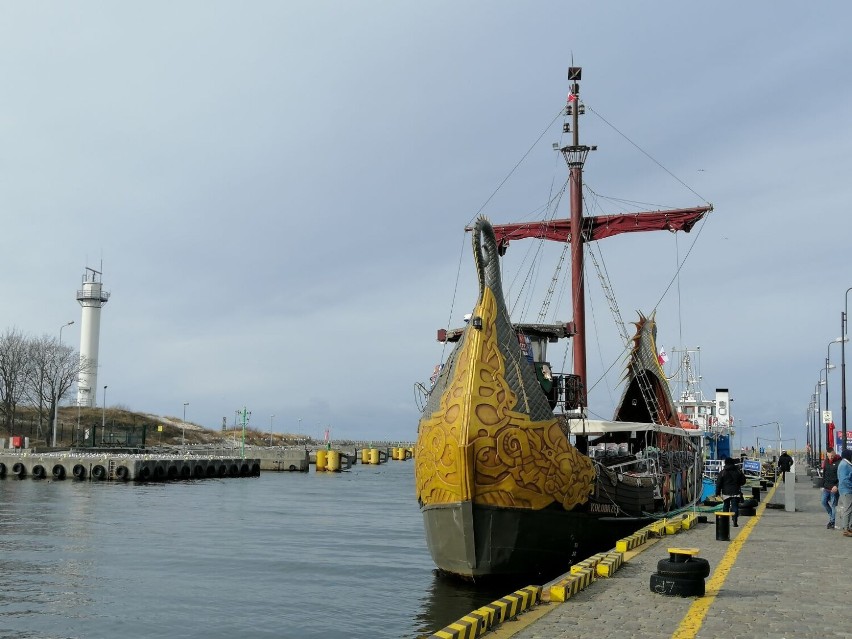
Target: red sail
601, 226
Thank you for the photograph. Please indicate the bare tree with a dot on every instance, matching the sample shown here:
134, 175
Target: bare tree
37, 373
51, 369
13, 357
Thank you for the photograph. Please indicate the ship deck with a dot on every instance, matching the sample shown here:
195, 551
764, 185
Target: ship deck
768, 580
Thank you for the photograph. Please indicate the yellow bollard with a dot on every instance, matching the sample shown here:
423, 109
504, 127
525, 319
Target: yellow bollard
365, 455
333, 461
321, 459
374, 455
411, 453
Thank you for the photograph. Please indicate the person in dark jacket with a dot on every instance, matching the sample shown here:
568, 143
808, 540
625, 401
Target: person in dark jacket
830, 495
728, 485
785, 463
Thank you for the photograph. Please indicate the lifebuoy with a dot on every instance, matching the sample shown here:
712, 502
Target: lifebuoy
122, 473
20, 470
292, 467
58, 471
98, 472
79, 471
38, 472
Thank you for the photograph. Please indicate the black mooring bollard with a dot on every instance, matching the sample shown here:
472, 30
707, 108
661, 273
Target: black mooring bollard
723, 526
755, 493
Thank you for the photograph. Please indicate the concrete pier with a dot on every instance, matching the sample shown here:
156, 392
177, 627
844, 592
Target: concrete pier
778, 576
118, 467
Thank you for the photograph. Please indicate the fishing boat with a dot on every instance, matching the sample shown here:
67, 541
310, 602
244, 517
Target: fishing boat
512, 475
712, 417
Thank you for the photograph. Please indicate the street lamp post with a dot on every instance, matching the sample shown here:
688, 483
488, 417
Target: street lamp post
103, 414
820, 382
183, 426
56, 387
271, 417
828, 367
844, 324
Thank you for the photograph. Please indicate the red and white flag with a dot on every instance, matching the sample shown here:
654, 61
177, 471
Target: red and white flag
662, 358
571, 98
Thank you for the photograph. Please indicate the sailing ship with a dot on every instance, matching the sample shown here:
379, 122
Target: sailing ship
512, 476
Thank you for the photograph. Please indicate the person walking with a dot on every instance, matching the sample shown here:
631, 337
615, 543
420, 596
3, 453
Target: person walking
830, 494
785, 463
728, 485
844, 487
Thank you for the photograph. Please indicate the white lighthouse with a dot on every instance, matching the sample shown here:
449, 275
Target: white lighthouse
91, 297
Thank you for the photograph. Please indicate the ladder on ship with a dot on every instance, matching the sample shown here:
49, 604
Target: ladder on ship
641, 374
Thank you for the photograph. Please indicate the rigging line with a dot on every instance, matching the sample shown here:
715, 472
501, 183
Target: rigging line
515, 168
645, 153
679, 301
455, 292
600, 351
685, 257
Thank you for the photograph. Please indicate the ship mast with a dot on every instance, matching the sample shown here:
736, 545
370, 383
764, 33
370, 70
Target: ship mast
575, 155
579, 230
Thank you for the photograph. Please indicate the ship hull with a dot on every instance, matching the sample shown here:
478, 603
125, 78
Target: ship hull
478, 542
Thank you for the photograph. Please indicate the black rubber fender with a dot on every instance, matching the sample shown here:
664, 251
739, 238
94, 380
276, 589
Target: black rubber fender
122, 473
58, 471
2, 470
292, 467
19, 470
692, 567
198, 471
144, 474
79, 471
244, 470
255, 469
747, 512
172, 472
185, 472
677, 586
233, 470
210, 471
39, 472
98, 472
222, 470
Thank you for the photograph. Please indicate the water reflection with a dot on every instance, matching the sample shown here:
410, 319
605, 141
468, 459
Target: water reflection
448, 599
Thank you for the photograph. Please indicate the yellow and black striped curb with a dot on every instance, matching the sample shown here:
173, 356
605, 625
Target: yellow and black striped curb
629, 543
570, 585
483, 619
610, 563
581, 575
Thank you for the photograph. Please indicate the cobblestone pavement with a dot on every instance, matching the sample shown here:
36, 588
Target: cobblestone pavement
792, 578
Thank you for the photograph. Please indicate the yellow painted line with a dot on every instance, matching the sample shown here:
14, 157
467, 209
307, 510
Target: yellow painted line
691, 623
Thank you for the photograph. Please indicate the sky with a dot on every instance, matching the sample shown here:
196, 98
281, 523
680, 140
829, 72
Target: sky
276, 192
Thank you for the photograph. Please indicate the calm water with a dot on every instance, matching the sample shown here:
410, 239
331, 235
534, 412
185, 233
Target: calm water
282, 555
